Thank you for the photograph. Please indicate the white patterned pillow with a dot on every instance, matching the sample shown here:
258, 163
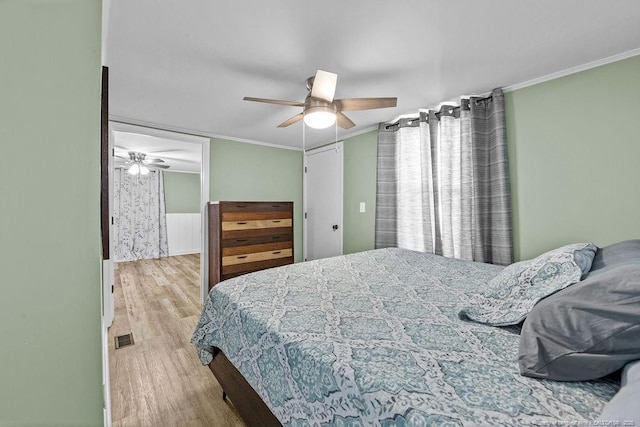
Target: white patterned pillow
515, 290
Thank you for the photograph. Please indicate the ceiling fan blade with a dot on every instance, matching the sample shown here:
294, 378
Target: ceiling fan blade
352, 104
122, 157
291, 121
343, 121
162, 152
274, 101
153, 165
154, 160
324, 85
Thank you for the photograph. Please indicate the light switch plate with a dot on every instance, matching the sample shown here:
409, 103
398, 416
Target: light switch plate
362, 207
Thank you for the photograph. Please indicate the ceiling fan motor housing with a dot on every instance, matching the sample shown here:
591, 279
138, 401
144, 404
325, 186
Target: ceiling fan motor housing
312, 104
309, 83
137, 157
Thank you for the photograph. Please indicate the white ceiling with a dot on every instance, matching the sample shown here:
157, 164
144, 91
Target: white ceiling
187, 65
180, 156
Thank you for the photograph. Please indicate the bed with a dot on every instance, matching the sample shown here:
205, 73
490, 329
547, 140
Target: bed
377, 338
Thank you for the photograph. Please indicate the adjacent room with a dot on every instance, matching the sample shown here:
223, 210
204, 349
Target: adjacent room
156, 242
335, 213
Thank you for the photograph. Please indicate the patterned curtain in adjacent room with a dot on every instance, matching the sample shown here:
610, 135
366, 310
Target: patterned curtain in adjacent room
140, 222
443, 182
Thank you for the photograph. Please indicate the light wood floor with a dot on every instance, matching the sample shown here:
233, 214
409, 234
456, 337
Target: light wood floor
159, 381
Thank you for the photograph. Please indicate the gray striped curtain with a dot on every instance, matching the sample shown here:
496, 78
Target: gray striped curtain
443, 182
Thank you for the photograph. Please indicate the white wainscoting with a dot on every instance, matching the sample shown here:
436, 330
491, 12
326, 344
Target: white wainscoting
183, 233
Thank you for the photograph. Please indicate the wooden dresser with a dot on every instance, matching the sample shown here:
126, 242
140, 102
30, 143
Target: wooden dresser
248, 236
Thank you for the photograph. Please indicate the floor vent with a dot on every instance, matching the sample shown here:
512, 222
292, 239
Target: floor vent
124, 340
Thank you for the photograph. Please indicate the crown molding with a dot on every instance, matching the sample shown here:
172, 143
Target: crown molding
193, 132
573, 70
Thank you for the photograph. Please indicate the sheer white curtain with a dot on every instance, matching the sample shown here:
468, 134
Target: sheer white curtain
443, 182
140, 223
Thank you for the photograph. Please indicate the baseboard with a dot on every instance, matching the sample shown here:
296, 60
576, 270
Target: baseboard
185, 252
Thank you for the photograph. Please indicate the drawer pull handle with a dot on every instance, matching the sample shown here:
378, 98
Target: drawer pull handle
276, 252
275, 206
275, 237
242, 257
241, 223
241, 240
241, 206
276, 221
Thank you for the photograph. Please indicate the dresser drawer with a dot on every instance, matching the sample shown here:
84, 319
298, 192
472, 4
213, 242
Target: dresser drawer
239, 269
253, 257
257, 240
248, 216
255, 207
254, 224
229, 235
250, 249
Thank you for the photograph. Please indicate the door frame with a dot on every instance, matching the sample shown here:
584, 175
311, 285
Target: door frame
108, 265
106, 190
115, 126
332, 146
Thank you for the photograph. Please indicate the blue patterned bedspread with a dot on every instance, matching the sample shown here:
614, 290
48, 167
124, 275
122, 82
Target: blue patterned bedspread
374, 338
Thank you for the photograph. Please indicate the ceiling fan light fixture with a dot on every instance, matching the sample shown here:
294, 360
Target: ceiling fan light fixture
144, 170
134, 169
319, 117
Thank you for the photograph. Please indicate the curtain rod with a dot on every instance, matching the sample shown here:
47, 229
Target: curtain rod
411, 118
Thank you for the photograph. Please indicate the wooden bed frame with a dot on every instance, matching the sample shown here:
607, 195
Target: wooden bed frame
250, 406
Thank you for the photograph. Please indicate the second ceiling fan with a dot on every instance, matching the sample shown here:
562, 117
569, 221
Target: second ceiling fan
320, 110
138, 164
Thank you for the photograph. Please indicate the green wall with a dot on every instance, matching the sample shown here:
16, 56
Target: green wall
240, 171
182, 192
255, 172
574, 152
50, 351
360, 153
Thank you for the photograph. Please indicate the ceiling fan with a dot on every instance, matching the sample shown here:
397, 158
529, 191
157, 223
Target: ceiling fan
320, 110
138, 164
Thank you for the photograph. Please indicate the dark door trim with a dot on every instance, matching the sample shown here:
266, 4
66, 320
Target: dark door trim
104, 164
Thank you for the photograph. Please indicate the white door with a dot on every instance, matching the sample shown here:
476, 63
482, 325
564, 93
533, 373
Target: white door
323, 202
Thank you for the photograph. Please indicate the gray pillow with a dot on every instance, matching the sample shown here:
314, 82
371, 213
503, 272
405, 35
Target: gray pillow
624, 405
590, 329
510, 295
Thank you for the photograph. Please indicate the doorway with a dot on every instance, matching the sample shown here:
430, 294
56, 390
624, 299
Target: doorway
323, 194
162, 295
